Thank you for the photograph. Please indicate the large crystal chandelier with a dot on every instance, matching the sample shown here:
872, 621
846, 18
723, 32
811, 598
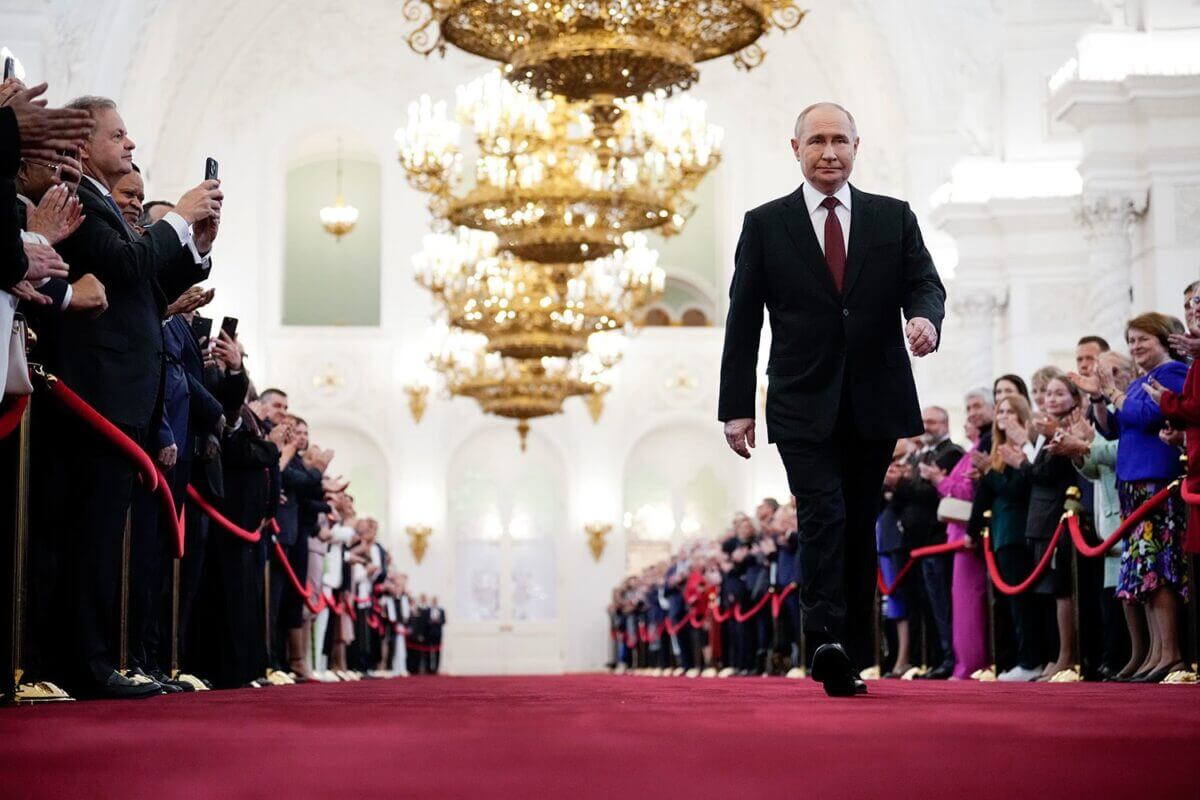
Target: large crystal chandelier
521, 388
559, 182
590, 50
527, 309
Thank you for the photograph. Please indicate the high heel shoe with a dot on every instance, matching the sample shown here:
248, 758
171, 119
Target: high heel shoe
1158, 675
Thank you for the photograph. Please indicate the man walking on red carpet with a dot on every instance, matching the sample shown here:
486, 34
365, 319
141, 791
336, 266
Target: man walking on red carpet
835, 267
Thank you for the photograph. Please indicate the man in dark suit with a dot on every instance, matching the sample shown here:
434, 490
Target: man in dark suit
437, 619
835, 267
115, 362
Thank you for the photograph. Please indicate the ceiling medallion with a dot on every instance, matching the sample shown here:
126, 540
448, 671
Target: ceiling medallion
590, 50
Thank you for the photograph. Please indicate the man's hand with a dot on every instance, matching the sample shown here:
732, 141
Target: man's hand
9, 88
226, 350
195, 297
739, 434
205, 232
25, 291
58, 215
200, 203
88, 296
44, 262
168, 456
922, 336
47, 131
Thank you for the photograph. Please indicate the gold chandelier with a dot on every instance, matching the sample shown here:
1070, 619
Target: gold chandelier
589, 50
521, 388
339, 218
559, 182
529, 310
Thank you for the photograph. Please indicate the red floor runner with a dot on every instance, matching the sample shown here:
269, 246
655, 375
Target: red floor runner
601, 736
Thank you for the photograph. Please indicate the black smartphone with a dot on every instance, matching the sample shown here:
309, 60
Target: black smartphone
201, 327
10, 67
229, 325
210, 169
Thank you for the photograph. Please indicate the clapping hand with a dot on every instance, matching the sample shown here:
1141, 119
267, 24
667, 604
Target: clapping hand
46, 132
25, 291
1154, 390
1012, 455
57, 216
1171, 436
980, 464
1185, 343
44, 262
1016, 432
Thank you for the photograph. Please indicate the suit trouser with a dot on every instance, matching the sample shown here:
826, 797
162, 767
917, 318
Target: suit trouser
191, 569
936, 571
837, 483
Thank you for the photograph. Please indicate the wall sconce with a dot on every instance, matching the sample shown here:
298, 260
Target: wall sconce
418, 540
418, 395
597, 531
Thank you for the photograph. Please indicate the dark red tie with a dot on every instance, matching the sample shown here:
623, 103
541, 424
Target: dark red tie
835, 245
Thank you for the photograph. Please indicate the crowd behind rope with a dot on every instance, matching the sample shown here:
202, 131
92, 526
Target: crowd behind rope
1101, 440
281, 574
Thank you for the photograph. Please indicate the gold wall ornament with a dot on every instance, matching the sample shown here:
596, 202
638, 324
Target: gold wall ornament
595, 401
558, 181
418, 540
588, 50
597, 533
418, 397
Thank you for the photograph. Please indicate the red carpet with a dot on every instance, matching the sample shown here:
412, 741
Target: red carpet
600, 736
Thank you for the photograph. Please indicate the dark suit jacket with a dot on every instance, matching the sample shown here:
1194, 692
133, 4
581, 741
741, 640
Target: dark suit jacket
114, 361
12, 252
828, 348
916, 501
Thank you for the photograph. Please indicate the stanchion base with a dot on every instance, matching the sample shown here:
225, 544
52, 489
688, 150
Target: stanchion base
278, 678
41, 692
725, 673
192, 681
913, 673
1066, 676
620, 669
692, 673
677, 672
709, 672
870, 674
1181, 676
796, 673
986, 675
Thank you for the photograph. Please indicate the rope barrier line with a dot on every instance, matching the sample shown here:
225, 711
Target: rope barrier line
219, 518
1034, 576
1139, 513
777, 600
742, 616
1189, 497
115, 436
10, 420
167, 509
306, 594
915, 556
333, 605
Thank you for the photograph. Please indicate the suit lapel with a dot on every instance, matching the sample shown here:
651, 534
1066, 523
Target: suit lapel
799, 227
113, 218
861, 215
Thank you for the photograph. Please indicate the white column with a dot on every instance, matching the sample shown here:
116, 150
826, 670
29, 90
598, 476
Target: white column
1107, 219
974, 312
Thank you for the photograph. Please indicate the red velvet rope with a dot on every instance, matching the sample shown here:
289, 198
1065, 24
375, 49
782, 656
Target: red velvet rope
219, 518
913, 557
333, 605
718, 615
1034, 577
423, 648
1139, 513
77, 406
777, 600
11, 418
741, 616
1189, 497
167, 509
305, 593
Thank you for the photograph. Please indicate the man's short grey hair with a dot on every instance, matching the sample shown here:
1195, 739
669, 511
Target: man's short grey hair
91, 103
1192, 287
824, 104
983, 393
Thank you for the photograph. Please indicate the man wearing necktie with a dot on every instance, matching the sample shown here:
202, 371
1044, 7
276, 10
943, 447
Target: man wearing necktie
835, 268
115, 362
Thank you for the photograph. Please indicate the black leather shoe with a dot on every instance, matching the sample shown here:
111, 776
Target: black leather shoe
117, 686
940, 673
831, 667
1158, 675
170, 686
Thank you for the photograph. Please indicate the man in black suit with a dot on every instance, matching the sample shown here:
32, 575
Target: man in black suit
115, 362
437, 619
835, 267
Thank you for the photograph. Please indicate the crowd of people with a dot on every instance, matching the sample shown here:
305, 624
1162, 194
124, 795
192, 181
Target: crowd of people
280, 573
1104, 440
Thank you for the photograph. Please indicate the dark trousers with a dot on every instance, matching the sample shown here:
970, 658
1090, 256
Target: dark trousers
100, 486
936, 572
837, 484
191, 570
1015, 563
788, 627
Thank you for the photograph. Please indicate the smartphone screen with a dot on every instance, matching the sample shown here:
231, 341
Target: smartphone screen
210, 169
229, 325
201, 327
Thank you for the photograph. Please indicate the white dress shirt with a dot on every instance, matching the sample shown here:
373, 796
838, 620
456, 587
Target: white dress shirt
817, 213
177, 223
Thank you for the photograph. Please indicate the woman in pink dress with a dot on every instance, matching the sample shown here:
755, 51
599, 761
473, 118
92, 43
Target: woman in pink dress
968, 588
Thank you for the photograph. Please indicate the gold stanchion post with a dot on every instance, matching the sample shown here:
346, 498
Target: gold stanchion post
993, 672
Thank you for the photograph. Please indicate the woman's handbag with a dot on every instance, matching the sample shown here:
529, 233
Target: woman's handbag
951, 509
16, 382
